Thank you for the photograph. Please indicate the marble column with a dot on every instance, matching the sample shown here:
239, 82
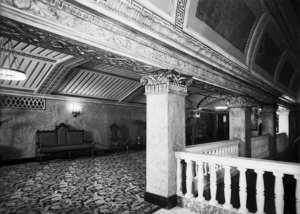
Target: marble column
283, 120
240, 122
165, 91
268, 125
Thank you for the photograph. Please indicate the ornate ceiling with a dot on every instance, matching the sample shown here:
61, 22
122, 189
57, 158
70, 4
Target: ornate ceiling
100, 49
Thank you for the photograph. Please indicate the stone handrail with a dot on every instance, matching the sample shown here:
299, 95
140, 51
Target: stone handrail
281, 142
222, 148
260, 146
204, 164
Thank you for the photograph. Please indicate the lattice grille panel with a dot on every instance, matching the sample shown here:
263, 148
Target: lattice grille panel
24, 102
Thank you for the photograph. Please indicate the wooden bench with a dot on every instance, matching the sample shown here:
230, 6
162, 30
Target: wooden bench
61, 139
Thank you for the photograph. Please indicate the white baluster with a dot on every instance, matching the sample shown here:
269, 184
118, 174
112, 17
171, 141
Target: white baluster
213, 184
260, 189
297, 193
179, 177
243, 191
227, 188
189, 179
279, 203
200, 176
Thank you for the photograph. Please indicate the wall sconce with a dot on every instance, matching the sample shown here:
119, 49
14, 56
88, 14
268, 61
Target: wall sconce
76, 113
76, 110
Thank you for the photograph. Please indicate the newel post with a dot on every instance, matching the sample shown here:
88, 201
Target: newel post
165, 91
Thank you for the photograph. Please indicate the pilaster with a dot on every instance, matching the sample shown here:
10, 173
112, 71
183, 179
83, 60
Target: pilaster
165, 91
268, 119
240, 122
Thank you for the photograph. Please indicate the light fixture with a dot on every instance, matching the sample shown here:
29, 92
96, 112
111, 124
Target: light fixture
76, 113
9, 64
221, 107
76, 109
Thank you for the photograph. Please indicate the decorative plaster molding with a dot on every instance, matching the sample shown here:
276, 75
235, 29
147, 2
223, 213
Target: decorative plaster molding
38, 37
58, 73
68, 98
122, 38
269, 108
240, 102
166, 81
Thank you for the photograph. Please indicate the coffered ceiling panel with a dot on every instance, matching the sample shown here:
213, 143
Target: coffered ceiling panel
82, 82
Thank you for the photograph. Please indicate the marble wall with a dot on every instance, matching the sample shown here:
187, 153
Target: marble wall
17, 134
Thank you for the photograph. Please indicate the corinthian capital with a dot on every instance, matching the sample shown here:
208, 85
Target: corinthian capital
239, 102
283, 111
166, 81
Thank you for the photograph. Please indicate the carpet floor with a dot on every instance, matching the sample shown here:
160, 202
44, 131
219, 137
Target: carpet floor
103, 184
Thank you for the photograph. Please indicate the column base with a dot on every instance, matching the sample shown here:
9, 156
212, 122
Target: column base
163, 202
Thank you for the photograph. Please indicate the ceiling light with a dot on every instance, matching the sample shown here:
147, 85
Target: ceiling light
9, 64
221, 107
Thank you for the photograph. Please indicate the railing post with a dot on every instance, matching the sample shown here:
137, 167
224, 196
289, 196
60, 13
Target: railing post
227, 188
189, 179
243, 191
260, 188
279, 203
297, 177
213, 184
179, 177
200, 177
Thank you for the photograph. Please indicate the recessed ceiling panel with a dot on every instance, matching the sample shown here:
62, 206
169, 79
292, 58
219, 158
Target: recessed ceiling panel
268, 55
89, 83
233, 20
286, 74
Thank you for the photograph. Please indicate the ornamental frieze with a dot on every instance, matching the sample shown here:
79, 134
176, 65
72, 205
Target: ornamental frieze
239, 102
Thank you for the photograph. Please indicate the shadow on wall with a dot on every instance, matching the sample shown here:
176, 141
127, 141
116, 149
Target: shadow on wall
9, 153
124, 132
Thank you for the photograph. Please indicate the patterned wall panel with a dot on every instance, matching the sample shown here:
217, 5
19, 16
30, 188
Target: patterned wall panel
286, 74
268, 55
24, 102
232, 19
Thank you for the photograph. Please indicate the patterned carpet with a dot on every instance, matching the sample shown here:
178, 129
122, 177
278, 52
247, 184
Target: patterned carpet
103, 184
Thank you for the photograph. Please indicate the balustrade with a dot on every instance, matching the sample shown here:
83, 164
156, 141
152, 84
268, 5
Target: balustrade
207, 166
222, 148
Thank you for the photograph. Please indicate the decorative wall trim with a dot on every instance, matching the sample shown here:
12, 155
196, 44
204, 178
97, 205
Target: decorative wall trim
68, 98
24, 102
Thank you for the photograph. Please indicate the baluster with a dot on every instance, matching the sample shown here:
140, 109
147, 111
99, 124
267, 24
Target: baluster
213, 184
260, 189
243, 191
179, 177
227, 188
279, 204
189, 179
297, 194
200, 176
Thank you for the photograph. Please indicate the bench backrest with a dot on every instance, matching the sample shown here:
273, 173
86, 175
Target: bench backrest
60, 136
